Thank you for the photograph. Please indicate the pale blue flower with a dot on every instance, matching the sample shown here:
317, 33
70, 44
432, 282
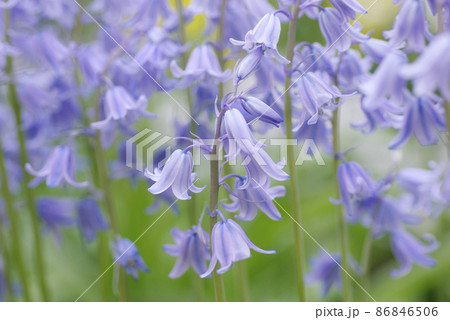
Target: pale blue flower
127, 255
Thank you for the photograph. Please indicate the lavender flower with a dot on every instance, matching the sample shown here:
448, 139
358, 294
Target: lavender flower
202, 65
119, 104
408, 251
424, 118
248, 65
337, 31
239, 134
410, 26
326, 270
313, 94
348, 8
266, 35
191, 248
253, 197
90, 218
431, 71
56, 213
229, 244
58, 168
354, 183
176, 175
127, 255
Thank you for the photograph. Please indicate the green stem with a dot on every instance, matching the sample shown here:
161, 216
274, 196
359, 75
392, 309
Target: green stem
14, 228
365, 261
4, 253
15, 104
342, 225
293, 182
213, 201
244, 294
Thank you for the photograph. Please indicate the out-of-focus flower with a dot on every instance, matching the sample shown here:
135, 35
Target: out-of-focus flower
90, 218
337, 31
118, 104
229, 244
408, 251
386, 82
326, 270
56, 213
127, 255
431, 71
191, 248
252, 198
202, 65
354, 183
176, 174
59, 167
348, 8
410, 26
376, 49
424, 118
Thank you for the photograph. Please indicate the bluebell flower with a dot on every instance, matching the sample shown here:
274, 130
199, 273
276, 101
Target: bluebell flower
320, 132
202, 65
408, 251
431, 70
446, 184
410, 26
424, 118
90, 218
266, 35
241, 140
191, 248
127, 255
313, 58
376, 49
177, 175
59, 167
326, 270
248, 65
56, 213
92, 61
425, 187
313, 93
354, 184
386, 82
337, 31
229, 244
348, 8
118, 104
387, 115
260, 110
253, 197
353, 71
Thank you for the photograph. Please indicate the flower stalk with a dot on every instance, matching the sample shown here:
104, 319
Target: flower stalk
29, 194
293, 181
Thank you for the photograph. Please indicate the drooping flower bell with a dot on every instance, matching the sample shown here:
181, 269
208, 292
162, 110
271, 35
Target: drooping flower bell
348, 8
266, 35
337, 31
240, 141
229, 244
56, 213
260, 110
127, 255
431, 70
325, 269
191, 248
177, 175
410, 26
248, 200
408, 251
90, 218
119, 104
59, 167
313, 93
202, 65
354, 183
424, 118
